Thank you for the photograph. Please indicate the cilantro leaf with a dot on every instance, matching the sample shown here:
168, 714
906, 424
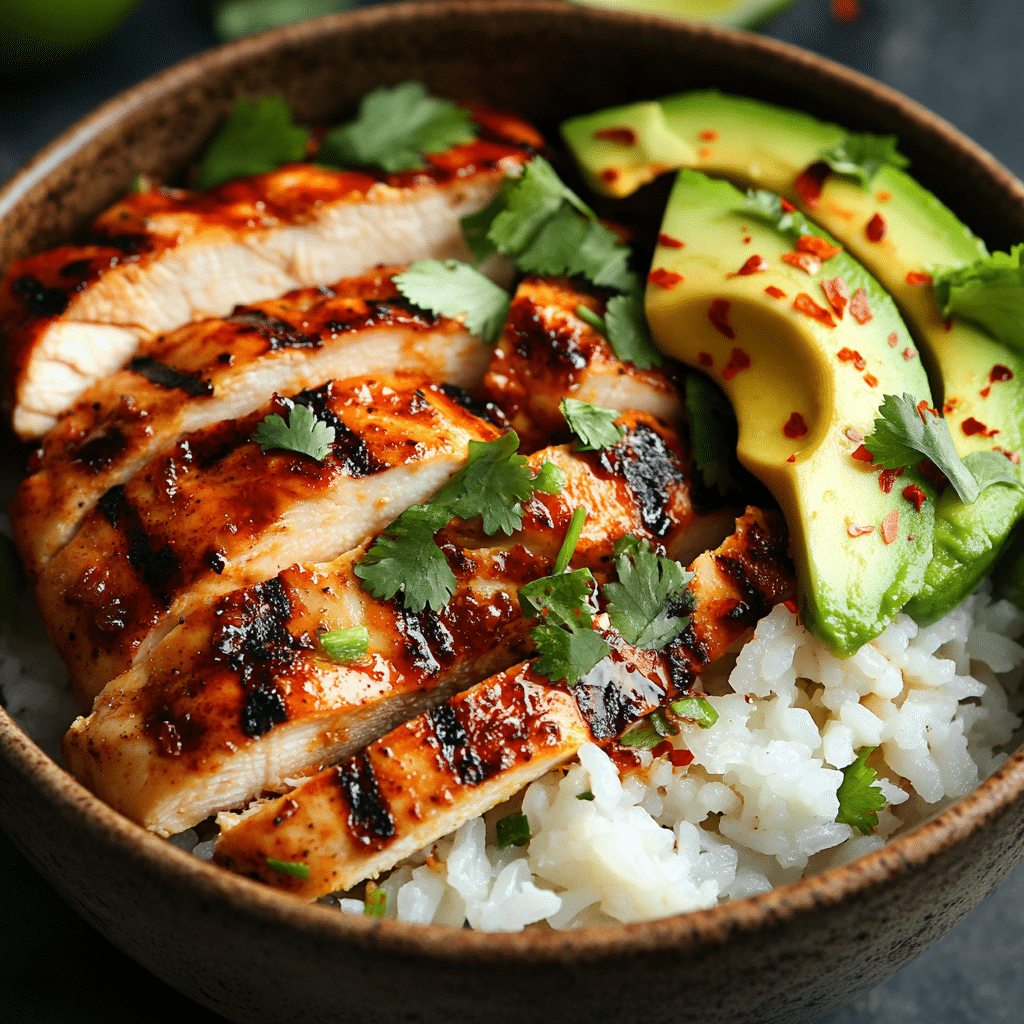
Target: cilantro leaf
346, 645
529, 202
452, 289
767, 207
639, 603
303, 433
395, 127
476, 226
258, 136
628, 332
990, 292
859, 799
289, 867
563, 599
863, 156
593, 425
992, 468
550, 478
567, 654
713, 432
12, 583
902, 435
492, 484
404, 559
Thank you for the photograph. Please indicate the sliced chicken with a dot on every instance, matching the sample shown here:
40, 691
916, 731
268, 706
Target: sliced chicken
222, 369
219, 512
548, 352
241, 696
163, 258
424, 779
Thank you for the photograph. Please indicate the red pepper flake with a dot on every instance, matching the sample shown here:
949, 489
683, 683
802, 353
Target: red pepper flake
856, 530
971, 426
663, 278
918, 277
775, 293
705, 359
894, 340
909, 353
1014, 457
609, 174
718, 314
803, 303
888, 477
795, 426
790, 604
862, 455
875, 229
808, 183
821, 247
871, 380
891, 526
661, 748
787, 206
883, 196
747, 240
838, 294
752, 266
680, 758
738, 360
923, 407
846, 11
669, 242
859, 308
623, 136
915, 496
805, 261
792, 458
1000, 373
949, 405
986, 391
708, 135
705, 153
851, 355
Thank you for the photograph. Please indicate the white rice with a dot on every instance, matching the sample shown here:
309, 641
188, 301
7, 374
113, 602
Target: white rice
756, 808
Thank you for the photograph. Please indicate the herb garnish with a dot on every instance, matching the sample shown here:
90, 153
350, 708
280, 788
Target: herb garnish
303, 433
662, 723
585, 795
713, 432
346, 645
375, 902
593, 425
512, 830
12, 583
628, 332
860, 799
449, 288
990, 292
258, 136
863, 156
289, 867
905, 431
395, 127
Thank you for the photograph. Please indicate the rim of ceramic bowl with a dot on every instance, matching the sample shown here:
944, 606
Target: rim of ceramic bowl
900, 856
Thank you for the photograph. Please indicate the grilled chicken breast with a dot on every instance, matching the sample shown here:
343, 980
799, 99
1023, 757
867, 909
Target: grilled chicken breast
158, 260
547, 352
219, 512
241, 697
222, 369
424, 779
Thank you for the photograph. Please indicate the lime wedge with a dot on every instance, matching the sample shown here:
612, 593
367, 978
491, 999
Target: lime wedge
731, 13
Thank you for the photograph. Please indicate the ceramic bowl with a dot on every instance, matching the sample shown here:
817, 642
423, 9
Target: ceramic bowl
256, 956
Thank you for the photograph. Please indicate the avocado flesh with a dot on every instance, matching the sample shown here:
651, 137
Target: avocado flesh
850, 586
758, 145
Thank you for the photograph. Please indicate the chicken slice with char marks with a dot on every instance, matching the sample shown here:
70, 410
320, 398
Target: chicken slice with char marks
223, 369
218, 513
547, 352
240, 697
424, 779
160, 259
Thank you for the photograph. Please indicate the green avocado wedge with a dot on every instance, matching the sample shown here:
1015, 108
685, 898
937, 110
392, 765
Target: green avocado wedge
903, 236
761, 311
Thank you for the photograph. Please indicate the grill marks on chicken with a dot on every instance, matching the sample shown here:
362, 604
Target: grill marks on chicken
547, 353
164, 258
196, 687
224, 369
425, 778
217, 513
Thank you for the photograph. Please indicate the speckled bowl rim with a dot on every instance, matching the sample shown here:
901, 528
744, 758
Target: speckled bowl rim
122, 837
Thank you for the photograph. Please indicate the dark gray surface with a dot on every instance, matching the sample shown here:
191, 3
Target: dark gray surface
961, 59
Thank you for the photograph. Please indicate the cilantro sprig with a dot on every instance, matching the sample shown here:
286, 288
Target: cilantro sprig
258, 136
303, 433
395, 127
713, 432
594, 426
907, 431
860, 799
450, 288
863, 156
990, 292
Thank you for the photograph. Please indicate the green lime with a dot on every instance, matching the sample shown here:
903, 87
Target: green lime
732, 13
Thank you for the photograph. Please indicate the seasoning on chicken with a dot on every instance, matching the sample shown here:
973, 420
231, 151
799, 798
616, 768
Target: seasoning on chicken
548, 352
223, 369
241, 697
157, 260
424, 779
220, 512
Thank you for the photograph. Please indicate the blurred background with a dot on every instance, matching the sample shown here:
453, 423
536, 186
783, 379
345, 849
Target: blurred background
61, 58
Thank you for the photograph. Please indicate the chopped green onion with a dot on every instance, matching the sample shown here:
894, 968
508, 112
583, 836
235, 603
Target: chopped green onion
572, 536
587, 315
346, 645
695, 709
585, 795
513, 830
376, 901
289, 867
643, 736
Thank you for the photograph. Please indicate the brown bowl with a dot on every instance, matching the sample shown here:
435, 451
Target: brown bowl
254, 955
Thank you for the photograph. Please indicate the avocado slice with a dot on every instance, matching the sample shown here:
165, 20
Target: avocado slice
737, 298
978, 380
